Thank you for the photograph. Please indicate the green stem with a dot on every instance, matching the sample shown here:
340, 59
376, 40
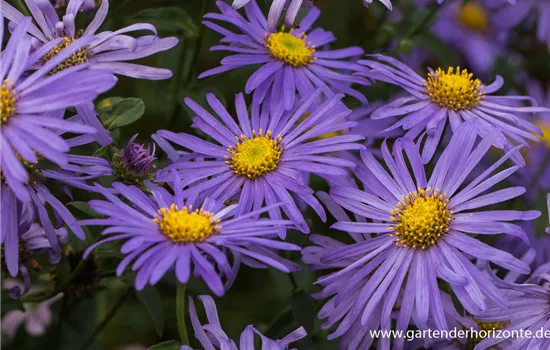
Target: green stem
22, 7
293, 281
420, 25
99, 328
74, 274
120, 7
186, 70
180, 312
191, 71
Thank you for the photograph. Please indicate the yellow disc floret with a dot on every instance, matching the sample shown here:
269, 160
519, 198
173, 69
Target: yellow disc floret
290, 48
486, 329
7, 101
545, 127
473, 16
255, 156
79, 57
185, 225
454, 89
421, 218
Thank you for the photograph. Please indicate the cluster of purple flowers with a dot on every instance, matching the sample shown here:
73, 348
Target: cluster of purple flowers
420, 209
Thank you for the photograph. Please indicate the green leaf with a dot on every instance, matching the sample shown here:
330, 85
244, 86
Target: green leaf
167, 345
303, 309
10, 304
169, 20
85, 208
124, 112
151, 299
103, 252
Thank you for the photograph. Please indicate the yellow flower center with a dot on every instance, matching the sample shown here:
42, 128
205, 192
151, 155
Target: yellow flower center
328, 135
290, 48
422, 219
454, 89
7, 101
545, 127
473, 16
256, 156
185, 225
79, 57
489, 329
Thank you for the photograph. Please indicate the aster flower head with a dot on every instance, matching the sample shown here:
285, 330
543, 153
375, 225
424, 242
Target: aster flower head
262, 158
107, 50
529, 311
454, 96
17, 217
475, 29
104, 50
29, 129
212, 336
172, 232
135, 161
292, 61
423, 228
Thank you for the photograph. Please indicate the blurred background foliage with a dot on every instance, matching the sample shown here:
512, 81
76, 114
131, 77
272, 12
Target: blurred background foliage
275, 302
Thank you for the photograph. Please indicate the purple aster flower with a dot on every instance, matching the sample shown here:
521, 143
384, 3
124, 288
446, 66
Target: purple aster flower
171, 232
474, 29
263, 158
548, 205
105, 50
36, 318
16, 217
291, 61
536, 173
135, 162
423, 229
29, 131
211, 335
534, 11
454, 96
529, 311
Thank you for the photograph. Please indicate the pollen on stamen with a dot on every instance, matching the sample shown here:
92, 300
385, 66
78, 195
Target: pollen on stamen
256, 156
7, 101
79, 57
454, 89
185, 225
421, 219
292, 49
